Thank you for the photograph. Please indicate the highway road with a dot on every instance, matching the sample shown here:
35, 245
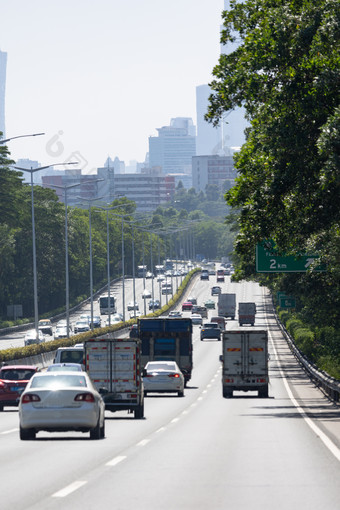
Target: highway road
199, 452
16, 339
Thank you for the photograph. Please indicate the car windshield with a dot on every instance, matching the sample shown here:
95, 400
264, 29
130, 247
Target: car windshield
58, 381
211, 325
160, 366
16, 374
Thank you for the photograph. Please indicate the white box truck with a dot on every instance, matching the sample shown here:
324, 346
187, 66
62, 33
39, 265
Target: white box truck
226, 305
246, 313
114, 365
244, 362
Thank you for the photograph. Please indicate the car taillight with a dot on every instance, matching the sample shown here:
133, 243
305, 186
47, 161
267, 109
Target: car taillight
173, 375
84, 397
30, 397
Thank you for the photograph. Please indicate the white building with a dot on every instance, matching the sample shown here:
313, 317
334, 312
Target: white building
3, 65
214, 169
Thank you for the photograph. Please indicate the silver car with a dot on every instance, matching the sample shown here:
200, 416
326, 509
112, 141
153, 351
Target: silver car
163, 377
61, 401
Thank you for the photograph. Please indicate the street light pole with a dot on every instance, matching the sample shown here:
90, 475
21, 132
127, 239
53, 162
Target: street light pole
107, 209
90, 200
35, 282
66, 188
20, 136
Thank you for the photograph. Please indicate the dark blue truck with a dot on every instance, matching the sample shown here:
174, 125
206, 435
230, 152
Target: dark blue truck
167, 339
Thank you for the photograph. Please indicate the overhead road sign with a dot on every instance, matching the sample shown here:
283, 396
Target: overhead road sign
268, 261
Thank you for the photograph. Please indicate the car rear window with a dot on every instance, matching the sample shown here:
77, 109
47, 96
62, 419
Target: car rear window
160, 366
59, 381
70, 356
16, 374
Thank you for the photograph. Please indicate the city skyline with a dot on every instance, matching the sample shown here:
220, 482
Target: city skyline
109, 79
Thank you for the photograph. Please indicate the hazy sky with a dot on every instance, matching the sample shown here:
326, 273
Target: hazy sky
98, 77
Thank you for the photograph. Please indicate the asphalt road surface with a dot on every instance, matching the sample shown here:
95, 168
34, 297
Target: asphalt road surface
199, 452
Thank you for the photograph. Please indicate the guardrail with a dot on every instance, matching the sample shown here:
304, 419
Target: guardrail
329, 385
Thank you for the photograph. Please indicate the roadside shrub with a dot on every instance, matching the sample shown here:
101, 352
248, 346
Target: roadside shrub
292, 324
284, 315
330, 365
304, 339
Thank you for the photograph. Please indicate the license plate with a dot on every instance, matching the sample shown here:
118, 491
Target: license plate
18, 389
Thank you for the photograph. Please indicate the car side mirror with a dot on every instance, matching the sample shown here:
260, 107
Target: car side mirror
143, 372
103, 391
221, 358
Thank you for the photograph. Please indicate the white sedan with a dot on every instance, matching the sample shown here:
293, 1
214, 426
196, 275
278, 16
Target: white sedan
32, 338
163, 377
61, 401
196, 318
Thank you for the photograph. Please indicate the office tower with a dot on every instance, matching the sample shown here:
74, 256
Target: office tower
229, 135
3, 64
208, 137
174, 146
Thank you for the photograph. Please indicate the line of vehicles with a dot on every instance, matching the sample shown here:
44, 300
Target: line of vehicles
117, 373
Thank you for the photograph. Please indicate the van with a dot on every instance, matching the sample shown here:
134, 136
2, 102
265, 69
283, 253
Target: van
74, 354
220, 321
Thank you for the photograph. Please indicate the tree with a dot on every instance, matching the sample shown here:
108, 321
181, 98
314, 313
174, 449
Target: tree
286, 73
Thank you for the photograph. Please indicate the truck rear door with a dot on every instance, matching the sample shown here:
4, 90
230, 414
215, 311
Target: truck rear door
245, 353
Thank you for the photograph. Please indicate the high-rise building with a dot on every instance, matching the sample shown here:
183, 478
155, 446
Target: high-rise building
229, 135
3, 65
208, 137
174, 146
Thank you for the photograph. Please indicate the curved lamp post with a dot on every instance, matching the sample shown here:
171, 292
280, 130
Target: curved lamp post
20, 136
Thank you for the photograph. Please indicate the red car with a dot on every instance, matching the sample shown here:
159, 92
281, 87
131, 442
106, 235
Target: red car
13, 381
187, 305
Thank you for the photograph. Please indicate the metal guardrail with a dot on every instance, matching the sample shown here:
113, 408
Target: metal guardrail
329, 385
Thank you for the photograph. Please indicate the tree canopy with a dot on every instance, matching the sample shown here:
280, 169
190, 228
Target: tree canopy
286, 73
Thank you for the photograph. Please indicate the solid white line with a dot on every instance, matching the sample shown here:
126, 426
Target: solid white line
68, 490
116, 460
9, 431
324, 438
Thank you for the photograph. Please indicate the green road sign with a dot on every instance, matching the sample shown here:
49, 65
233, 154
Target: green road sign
267, 261
287, 302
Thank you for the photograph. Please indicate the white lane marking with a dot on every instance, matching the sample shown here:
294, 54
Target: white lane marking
9, 431
116, 460
324, 438
174, 420
160, 430
143, 442
68, 490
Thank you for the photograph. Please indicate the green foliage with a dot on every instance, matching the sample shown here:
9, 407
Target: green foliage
304, 339
286, 74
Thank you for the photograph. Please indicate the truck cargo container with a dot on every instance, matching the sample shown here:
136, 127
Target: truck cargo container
246, 313
244, 362
114, 365
166, 339
226, 305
